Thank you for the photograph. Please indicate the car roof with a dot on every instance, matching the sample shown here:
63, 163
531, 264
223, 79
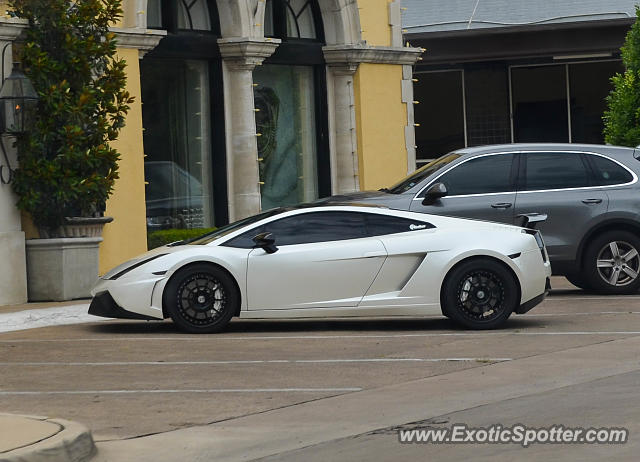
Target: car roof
568, 147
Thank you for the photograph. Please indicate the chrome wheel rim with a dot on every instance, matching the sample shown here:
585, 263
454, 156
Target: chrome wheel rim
201, 299
618, 263
481, 295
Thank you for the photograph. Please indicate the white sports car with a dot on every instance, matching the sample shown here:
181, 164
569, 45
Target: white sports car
333, 261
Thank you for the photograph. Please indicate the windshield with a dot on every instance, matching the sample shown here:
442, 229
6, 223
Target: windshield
224, 230
423, 172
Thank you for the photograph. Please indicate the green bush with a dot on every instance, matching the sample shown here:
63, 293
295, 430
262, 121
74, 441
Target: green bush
622, 119
166, 236
67, 165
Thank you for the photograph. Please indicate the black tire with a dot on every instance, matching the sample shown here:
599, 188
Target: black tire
480, 294
625, 260
578, 280
201, 299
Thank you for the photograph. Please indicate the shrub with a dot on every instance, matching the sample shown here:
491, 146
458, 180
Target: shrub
622, 119
166, 236
67, 166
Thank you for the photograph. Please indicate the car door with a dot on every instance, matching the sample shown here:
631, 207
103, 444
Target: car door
324, 259
482, 187
558, 184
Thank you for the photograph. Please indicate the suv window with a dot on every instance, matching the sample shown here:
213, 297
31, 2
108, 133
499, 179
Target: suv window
307, 228
555, 170
379, 225
607, 172
487, 174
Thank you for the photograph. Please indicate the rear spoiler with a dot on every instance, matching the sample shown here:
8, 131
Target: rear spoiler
530, 220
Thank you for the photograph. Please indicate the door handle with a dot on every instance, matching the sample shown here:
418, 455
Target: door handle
501, 205
377, 253
591, 201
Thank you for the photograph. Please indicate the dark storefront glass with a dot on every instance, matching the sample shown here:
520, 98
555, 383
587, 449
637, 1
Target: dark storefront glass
440, 113
487, 95
177, 143
589, 86
539, 98
287, 147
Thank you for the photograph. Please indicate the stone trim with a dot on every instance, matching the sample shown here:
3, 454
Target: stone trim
395, 22
246, 52
144, 40
11, 28
410, 128
377, 55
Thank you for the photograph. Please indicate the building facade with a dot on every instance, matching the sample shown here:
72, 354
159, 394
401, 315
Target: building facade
243, 105
503, 71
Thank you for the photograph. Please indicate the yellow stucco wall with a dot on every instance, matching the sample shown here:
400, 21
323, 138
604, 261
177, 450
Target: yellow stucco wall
126, 236
374, 22
380, 119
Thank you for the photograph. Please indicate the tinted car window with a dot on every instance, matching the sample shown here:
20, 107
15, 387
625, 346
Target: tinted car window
607, 172
487, 174
422, 173
379, 225
555, 171
307, 228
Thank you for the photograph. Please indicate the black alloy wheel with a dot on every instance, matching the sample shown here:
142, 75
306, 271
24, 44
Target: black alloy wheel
480, 294
201, 298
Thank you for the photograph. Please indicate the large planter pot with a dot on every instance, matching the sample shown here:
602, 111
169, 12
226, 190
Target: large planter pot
61, 268
77, 227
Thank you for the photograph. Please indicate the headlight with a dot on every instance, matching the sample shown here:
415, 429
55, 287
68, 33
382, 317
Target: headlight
134, 266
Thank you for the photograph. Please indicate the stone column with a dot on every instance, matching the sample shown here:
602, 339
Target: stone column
239, 58
342, 128
13, 272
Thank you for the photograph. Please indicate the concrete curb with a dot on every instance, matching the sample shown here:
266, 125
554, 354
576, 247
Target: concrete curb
63, 441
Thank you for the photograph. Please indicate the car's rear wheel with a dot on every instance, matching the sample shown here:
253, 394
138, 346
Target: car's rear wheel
612, 263
480, 294
201, 299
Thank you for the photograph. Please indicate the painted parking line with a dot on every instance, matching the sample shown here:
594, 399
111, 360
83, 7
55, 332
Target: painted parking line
257, 361
218, 337
196, 390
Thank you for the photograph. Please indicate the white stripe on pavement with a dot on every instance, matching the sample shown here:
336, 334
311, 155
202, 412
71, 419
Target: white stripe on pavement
218, 337
211, 390
257, 361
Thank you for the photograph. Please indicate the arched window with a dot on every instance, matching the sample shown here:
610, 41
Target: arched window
182, 117
290, 96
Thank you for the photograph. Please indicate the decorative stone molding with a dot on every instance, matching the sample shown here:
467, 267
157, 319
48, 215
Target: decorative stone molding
351, 54
144, 40
409, 129
11, 28
395, 22
246, 53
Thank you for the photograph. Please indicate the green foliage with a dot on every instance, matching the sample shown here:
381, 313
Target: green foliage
622, 119
166, 236
67, 165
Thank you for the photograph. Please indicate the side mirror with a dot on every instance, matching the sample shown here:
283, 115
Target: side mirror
435, 192
266, 241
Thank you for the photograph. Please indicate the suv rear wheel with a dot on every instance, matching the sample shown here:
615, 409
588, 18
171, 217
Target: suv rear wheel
612, 263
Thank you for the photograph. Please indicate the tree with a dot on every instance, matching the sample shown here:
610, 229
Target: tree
67, 166
622, 119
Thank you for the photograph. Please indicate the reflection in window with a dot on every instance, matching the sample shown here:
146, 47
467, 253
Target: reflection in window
177, 143
294, 18
287, 148
154, 14
194, 14
487, 174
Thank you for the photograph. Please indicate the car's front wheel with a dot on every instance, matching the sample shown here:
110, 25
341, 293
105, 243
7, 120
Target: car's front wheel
612, 263
480, 294
201, 299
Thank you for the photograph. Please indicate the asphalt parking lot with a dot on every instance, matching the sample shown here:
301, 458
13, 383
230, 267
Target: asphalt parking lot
573, 360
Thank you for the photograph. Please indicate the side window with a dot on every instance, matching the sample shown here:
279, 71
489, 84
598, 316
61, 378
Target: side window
555, 171
606, 172
487, 174
379, 225
317, 227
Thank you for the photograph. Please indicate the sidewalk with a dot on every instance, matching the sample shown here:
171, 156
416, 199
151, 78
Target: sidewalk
34, 315
40, 439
